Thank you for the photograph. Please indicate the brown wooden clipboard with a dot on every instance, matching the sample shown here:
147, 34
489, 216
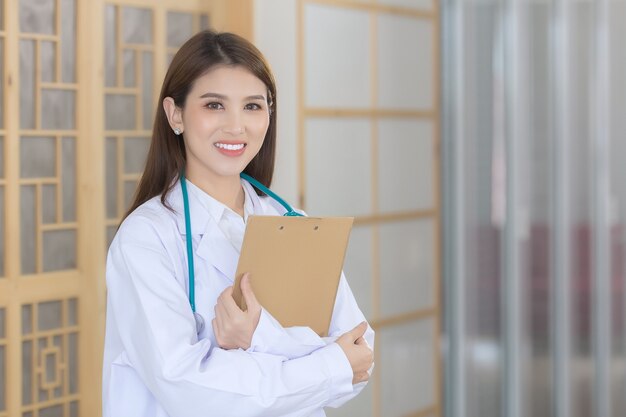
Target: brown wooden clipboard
295, 265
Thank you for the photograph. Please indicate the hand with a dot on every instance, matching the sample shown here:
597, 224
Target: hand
358, 352
232, 326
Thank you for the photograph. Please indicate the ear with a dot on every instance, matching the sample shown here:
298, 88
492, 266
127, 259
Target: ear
174, 114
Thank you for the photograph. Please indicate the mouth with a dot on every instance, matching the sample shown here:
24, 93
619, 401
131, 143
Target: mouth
231, 148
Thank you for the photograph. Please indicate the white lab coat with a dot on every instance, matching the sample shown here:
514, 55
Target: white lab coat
156, 365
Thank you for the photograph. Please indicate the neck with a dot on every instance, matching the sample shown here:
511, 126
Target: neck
226, 190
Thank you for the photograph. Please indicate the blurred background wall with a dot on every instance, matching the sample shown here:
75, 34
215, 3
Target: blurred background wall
534, 207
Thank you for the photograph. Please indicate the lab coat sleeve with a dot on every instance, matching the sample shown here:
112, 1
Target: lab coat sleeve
190, 377
292, 342
346, 316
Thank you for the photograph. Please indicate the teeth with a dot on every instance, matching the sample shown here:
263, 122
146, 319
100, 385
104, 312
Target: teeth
230, 147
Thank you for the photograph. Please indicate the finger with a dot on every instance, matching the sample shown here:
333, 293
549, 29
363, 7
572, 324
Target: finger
229, 302
246, 290
220, 307
361, 341
358, 331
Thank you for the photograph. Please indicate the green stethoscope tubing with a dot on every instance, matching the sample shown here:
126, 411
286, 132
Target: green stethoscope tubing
190, 266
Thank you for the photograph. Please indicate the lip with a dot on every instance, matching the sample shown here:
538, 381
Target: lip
231, 152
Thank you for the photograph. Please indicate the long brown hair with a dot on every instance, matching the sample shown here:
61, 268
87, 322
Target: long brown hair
166, 157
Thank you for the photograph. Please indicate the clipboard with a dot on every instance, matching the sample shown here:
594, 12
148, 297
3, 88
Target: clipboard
295, 265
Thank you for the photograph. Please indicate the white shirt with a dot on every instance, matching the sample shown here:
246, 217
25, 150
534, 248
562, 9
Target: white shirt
156, 365
229, 222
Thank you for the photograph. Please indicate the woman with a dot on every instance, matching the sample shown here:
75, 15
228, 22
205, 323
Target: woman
166, 356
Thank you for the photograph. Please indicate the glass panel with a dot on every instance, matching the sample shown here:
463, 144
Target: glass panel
27, 84
110, 50
411, 4
59, 250
37, 16
135, 152
68, 41
1, 76
618, 174
37, 157
337, 56
3, 402
406, 156
204, 22
48, 58
68, 178
130, 66
179, 28
27, 319
43, 394
137, 26
147, 90
28, 237
27, 372
405, 48
129, 193
331, 146
50, 367
72, 361
111, 230
49, 315
54, 411
72, 312
358, 268
407, 266
74, 409
407, 368
58, 109
49, 203
120, 112
111, 177
2, 231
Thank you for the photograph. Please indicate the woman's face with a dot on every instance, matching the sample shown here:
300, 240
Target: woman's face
225, 119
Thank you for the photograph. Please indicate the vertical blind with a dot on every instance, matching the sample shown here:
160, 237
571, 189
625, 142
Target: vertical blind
534, 144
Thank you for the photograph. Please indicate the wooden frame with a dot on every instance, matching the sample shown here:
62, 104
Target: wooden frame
376, 218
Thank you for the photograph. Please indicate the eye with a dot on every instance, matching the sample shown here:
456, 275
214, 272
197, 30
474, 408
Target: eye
214, 105
253, 106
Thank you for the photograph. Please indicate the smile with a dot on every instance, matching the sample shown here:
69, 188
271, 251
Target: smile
230, 147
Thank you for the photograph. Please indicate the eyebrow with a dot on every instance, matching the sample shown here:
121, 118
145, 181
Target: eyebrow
223, 97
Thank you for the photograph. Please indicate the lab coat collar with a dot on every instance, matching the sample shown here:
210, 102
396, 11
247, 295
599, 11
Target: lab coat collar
214, 247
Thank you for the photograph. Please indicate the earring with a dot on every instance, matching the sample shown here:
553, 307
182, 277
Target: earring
177, 131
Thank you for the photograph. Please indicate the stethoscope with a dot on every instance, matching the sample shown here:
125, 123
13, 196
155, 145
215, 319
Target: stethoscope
192, 279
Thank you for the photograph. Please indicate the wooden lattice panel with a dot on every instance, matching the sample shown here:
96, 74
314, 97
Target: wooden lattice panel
49, 358
131, 92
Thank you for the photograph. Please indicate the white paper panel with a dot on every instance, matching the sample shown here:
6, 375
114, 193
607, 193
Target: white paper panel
179, 28
135, 152
27, 228
405, 62
3, 367
68, 41
137, 25
68, 178
59, 250
120, 112
407, 259
37, 157
405, 165
110, 51
407, 368
37, 16
410, 4
110, 151
147, 89
338, 167
2, 83
49, 203
27, 84
358, 267
47, 52
337, 57
2, 232
58, 109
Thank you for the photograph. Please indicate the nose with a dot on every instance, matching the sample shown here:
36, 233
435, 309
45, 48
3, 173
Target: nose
234, 124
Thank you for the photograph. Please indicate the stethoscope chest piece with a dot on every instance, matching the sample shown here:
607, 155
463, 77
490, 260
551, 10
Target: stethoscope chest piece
199, 322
